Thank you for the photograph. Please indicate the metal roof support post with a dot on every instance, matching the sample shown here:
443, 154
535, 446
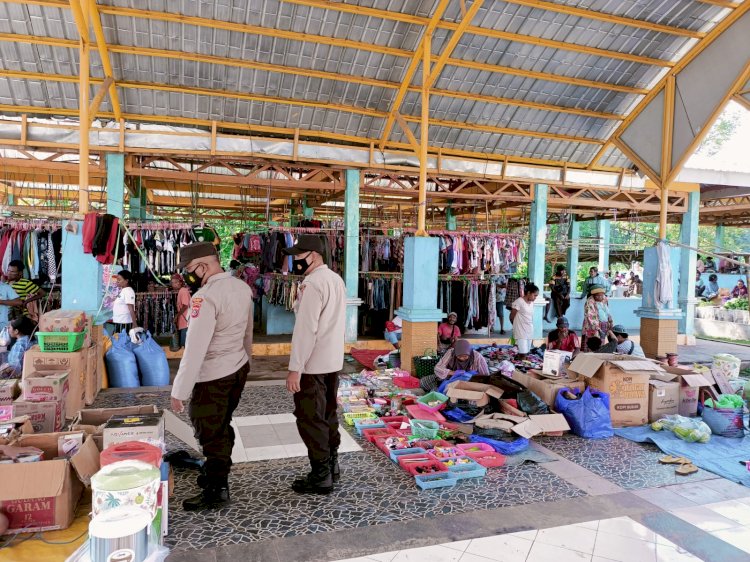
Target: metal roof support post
604, 228
688, 259
537, 246
424, 135
116, 184
574, 237
351, 252
450, 218
719, 238
82, 19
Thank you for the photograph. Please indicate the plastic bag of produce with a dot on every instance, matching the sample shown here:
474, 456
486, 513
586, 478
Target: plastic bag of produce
691, 430
587, 414
122, 367
152, 362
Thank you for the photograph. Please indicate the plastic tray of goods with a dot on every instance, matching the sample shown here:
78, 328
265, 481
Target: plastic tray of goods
415, 466
367, 423
432, 401
465, 467
475, 448
372, 433
446, 452
420, 413
397, 453
425, 429
435, 480
488, 459
351, 417
391, 443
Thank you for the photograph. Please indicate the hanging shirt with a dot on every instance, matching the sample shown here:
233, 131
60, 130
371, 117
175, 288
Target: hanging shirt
120, 310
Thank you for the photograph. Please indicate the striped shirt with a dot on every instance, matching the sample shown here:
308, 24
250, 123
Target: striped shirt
24, 288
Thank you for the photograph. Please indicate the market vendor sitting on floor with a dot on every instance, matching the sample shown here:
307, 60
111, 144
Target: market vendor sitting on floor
563, 338
626, 345
461, 357
393, 331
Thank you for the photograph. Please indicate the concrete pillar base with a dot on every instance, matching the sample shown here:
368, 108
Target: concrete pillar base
416, 339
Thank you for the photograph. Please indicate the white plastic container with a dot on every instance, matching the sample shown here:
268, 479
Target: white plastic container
119, 535
124, 484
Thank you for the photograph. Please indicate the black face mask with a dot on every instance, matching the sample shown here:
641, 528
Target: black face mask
300, 266
193, 280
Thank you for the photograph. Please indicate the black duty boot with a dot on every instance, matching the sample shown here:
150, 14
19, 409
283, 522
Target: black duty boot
334, 465
318, 481
212, 497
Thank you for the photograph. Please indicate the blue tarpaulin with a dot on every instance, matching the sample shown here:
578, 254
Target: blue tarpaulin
721, 455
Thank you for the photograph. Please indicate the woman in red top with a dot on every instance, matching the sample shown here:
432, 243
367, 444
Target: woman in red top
740, 290
563, 339
183, 306
448, 332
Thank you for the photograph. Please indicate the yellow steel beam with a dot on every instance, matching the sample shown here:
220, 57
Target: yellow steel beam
82, 16
723, 3
424, 128
144, 51
481, 31
98, 97
276, 131
412, 68
452, 43
407, 131
608, 18
101, 46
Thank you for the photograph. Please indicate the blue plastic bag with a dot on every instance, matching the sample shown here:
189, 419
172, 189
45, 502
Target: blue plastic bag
588, 416
457, 376
152, 362
457, 415
122, 368
505, 448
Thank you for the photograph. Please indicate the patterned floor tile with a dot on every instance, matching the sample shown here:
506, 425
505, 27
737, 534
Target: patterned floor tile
605, 458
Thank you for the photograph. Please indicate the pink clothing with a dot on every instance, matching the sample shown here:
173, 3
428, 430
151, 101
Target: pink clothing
448, 333
183, 300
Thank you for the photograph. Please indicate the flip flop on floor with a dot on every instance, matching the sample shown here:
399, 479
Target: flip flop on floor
686, 469
669, 459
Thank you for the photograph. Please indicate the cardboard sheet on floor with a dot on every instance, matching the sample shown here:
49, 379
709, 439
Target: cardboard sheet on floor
721, 455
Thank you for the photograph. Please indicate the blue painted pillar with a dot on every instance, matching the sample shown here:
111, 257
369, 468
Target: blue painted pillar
450, 219
604, 229
688, 258
719, 238
419, 311
537, 245
351, 252
138, 202
574, 241
116, 184
81, 274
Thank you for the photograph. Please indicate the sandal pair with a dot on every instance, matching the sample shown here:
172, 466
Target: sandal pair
686, 465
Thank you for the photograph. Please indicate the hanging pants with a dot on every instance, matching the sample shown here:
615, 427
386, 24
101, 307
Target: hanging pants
211, 408
315, 409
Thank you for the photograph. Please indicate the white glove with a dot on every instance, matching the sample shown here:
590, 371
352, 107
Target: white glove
136, 335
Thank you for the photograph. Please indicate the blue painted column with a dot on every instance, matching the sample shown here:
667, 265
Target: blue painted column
574, 241
450, 219
351, 252
419, 311
719, 238
688, 258
138, 202
81, 274
604, 229
116, 184
537, 245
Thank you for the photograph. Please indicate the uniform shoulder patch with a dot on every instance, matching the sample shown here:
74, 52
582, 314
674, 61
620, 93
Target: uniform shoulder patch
197, 303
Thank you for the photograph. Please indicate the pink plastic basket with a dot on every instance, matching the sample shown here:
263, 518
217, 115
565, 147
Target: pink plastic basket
488, 459
475, 447
406, 382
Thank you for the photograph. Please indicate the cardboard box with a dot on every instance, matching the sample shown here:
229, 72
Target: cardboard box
44, 386
545, 388
91, 378
476, 393
690, 385
92, 421
625, 378
663, 398
62, 320
555, 363
8, 391
148, 427
75, 363
43, 496
523, 425
46, 417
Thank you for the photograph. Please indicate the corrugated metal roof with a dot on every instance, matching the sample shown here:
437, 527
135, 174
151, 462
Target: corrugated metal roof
304, 54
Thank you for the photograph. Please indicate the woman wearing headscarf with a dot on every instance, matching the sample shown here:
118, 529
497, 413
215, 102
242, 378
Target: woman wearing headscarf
461, 357
597, 320
448, 332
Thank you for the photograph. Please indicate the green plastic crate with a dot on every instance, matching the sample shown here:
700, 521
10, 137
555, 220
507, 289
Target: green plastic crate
65, 342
